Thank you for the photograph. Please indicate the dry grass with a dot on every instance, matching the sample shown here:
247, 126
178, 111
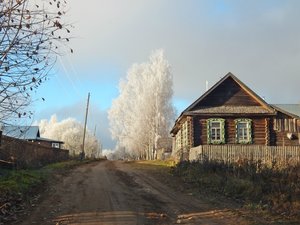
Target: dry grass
164, 163
272, 189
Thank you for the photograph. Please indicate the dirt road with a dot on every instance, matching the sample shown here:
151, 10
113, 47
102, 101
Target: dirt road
112, 193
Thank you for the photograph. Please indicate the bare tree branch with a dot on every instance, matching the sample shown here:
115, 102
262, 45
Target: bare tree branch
31, 34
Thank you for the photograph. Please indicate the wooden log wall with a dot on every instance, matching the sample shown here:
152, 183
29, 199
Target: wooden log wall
260, 130
283, 140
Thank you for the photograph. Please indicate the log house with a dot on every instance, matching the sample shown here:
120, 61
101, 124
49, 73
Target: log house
230, 113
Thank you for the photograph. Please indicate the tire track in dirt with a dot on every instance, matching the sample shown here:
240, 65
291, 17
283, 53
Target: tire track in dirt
94, 194
181, 208
113, 193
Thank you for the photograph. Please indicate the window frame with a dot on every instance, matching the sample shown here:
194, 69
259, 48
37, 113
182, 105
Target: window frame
222, 131
178, 141
55, 145
185, 134
248, 123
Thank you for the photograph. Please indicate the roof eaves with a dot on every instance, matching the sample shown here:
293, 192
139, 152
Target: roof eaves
227, 114
48, 140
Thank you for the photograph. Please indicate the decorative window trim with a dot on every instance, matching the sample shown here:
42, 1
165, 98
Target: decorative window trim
249, 124
222, 133
178, 141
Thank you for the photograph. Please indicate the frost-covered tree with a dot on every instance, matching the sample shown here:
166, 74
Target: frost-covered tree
70, 132
143, 111
32, 33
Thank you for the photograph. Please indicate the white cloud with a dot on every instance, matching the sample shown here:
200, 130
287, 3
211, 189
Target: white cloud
203, 40
259, 41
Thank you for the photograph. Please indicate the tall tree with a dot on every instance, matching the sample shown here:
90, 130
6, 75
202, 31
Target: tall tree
31, 32
143, 111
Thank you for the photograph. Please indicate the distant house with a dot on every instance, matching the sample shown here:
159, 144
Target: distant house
164, 148
30, 133
230, 113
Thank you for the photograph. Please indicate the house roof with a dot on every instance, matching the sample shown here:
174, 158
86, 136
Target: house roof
26, 133
229, 110
265, 106
199, 107
48, 140
22, 132
292, 110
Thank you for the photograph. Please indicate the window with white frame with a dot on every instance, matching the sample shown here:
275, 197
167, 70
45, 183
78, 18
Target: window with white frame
243, 131
185, 137
55, 145
216, 131
178, 140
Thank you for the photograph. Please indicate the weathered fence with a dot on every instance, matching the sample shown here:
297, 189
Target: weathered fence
233, 153
24, 154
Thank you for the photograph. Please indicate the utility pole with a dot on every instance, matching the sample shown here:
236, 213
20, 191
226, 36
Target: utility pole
95, 130
84, 129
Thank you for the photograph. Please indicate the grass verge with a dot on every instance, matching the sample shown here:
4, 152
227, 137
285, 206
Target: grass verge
22, 181
162, 163
17, 187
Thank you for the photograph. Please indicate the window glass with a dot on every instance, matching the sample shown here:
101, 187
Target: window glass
243, 131
215, 130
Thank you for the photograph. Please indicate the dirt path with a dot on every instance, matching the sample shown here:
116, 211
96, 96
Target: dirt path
113, 193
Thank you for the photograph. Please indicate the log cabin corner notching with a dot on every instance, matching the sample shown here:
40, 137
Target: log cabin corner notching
231, 113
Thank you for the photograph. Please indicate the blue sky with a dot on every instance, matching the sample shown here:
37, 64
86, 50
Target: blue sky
258, 41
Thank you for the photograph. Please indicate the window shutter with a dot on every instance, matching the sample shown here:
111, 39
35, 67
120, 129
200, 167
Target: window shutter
222, 131
208, 131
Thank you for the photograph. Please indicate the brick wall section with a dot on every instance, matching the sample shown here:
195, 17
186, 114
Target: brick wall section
29, 154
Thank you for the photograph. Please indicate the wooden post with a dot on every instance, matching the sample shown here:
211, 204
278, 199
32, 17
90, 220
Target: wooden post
84, 129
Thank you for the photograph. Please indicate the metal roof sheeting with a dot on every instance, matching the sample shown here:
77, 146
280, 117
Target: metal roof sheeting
26, 133
290, 108
22, 132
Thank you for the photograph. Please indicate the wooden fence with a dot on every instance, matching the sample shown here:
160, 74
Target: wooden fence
24, 154
234, 153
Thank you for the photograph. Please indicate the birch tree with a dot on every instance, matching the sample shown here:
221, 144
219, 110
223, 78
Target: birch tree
31, 34
143, 111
